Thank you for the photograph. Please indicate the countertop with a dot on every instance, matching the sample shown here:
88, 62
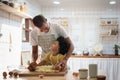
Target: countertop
104, 56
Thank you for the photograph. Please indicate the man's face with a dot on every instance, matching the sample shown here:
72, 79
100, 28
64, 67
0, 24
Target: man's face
44, 27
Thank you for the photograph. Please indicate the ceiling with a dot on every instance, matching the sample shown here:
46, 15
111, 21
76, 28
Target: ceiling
79, 3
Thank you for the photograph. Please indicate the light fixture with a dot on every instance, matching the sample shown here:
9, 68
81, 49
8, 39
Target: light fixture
61, 9
112, 2
56, 2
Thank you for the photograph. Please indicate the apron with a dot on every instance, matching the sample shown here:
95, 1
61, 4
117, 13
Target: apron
45, 41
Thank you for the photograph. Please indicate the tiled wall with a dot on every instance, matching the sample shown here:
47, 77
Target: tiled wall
33, 7
84, 24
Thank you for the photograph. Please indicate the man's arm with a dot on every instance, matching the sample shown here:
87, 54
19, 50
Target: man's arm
63, 62
34, 53
69, 53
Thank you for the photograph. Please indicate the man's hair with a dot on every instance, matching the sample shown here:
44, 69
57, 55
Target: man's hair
63, 45
39, 20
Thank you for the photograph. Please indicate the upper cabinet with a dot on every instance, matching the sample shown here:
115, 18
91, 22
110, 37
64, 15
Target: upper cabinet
13, 11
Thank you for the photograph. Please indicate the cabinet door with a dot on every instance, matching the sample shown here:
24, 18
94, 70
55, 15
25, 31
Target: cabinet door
10, 45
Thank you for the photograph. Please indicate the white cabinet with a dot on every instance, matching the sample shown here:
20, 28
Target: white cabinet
10, 46
106, 66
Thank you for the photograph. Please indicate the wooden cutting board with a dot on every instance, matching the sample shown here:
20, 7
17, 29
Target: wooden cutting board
27, 73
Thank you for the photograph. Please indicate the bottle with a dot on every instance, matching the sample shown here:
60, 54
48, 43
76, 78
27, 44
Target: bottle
24, 7
21, 7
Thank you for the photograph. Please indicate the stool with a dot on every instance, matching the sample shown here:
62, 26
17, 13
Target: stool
101, 77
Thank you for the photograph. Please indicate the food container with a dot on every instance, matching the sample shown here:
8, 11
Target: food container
11, 3
92, 70
101, 77
83, 73
5, 2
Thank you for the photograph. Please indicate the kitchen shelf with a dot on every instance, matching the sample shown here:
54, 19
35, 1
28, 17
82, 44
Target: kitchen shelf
13, 11
107, 35
108, 24
104, 56
110, 18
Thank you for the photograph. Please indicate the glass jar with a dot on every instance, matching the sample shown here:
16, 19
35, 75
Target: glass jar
11, 3
85, 52
5, 2
83, 73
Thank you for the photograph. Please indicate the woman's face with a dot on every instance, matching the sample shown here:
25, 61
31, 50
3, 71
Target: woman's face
55, 46
45, 27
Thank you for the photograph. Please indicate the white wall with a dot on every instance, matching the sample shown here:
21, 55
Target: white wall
84, 23
10, 23
33, 7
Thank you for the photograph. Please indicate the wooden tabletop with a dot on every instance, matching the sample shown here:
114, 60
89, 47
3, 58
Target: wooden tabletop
68, 76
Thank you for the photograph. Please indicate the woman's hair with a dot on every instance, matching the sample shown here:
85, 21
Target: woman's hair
39, 20
63, 45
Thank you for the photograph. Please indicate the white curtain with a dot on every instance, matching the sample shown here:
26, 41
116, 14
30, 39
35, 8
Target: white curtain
106, 66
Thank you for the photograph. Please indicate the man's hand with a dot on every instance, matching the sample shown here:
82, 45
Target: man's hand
32, 66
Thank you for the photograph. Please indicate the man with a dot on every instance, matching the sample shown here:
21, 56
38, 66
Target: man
47, 35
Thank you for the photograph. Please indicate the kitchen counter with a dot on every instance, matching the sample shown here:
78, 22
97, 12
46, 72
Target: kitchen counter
104, 56
108, 64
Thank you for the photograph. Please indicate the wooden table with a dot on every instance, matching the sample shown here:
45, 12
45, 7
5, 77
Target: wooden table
68, 76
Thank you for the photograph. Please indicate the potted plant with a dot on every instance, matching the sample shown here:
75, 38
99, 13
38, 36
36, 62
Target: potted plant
116, 48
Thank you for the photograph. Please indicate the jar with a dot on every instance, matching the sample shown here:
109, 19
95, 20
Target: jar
101, 77
5, 2
85, 52
11, 3
83, 73
17, 6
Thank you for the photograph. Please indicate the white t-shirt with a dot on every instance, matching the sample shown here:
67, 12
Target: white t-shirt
43, 39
